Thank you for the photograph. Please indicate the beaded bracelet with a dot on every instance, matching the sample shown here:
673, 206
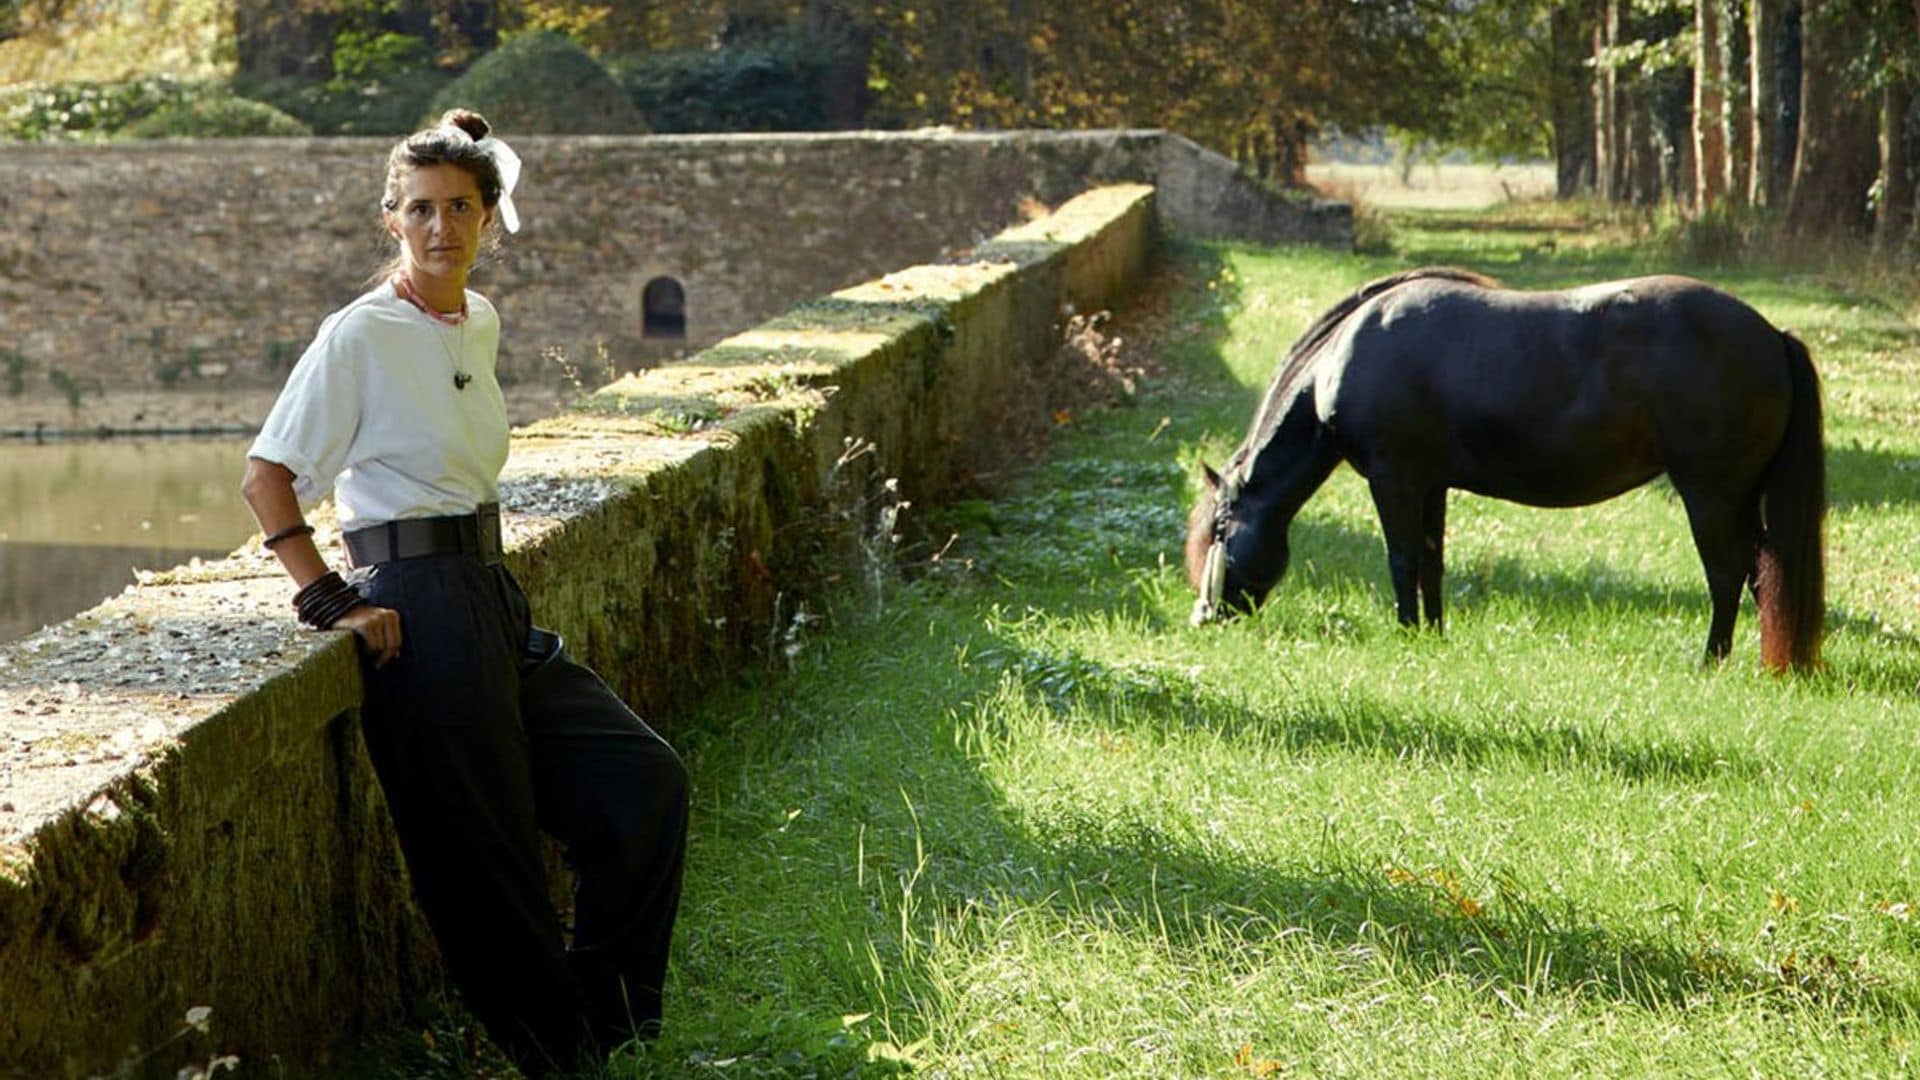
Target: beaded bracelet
325, 599
302, 529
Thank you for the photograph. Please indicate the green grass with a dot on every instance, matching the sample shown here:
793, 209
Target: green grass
1023, 822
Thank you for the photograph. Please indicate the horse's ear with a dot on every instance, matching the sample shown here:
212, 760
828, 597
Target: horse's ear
1212, 478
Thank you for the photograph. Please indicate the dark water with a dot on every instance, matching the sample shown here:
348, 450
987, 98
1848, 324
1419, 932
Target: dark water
77, 518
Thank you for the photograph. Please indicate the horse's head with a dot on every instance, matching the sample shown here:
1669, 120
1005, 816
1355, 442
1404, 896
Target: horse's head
1232, 561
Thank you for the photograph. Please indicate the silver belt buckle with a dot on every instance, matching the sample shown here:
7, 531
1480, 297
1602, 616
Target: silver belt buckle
488, 518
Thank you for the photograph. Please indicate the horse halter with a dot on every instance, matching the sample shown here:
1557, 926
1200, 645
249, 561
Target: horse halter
1213, 574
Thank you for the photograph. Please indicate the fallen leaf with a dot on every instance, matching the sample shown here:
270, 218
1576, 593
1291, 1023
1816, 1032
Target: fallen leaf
1257, 1066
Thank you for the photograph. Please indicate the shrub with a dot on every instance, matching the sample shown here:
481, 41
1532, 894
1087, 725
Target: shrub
542, 83
387, 103
87, 110
774, 86
214, 116
13, 363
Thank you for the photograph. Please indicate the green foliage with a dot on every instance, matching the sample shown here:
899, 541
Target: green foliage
542, 83
69, 386
215, 116
13, 363
88, 110
380, 77
773, 86
156, 107
385, 104
363, 56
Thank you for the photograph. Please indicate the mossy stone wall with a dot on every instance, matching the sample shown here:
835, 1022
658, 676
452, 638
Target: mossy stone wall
190, 818
208, 264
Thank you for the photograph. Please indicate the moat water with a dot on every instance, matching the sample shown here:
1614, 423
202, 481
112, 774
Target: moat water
78, 517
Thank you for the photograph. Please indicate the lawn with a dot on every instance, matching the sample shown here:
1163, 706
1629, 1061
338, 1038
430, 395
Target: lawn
1017, 819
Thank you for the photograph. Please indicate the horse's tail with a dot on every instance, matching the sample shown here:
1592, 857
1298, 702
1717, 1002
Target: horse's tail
1791, 584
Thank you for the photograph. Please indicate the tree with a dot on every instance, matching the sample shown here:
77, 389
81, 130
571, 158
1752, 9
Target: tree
1250, 77
277, 38
1713, 166
1838, 153
1766, 131
1570, 91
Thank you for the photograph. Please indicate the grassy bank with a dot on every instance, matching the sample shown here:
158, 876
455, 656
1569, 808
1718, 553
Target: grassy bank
1022, 821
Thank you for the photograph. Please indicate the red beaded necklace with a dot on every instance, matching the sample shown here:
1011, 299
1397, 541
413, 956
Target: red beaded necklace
405, 287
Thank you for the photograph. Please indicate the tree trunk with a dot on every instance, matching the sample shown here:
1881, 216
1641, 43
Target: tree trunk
848, 45
272, 38
1894, 215
1838, 155
1570, 89
1606, 140
1739, 103
1764, 19
1712, 175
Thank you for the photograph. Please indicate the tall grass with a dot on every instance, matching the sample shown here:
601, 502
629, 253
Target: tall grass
1022, 821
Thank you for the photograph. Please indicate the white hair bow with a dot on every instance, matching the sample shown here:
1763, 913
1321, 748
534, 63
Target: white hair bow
508, 163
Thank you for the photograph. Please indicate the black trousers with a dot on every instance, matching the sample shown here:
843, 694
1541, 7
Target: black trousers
480, 742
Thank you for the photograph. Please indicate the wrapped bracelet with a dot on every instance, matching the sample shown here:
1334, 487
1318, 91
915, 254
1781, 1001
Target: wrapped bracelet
324, 600
302, 529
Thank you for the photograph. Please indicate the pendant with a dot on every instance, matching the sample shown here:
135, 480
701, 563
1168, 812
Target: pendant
461, 379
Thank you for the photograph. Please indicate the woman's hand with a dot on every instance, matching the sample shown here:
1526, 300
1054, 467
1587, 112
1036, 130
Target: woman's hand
378, 629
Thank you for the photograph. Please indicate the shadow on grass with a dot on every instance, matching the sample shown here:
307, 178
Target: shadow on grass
1861, 478
1337, 549
937, 839
1161, 701
1504, 944
1501, 940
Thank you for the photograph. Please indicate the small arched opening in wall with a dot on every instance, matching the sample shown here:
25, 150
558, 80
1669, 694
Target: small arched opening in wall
663, 304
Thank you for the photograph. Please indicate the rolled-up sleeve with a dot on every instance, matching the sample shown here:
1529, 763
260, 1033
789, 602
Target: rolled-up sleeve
312, 425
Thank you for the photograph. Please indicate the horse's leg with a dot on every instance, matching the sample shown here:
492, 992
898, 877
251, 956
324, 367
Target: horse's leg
1433, 540
1726, 534
1399, 509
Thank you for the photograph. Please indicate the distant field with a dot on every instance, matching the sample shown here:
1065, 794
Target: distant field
1446, 187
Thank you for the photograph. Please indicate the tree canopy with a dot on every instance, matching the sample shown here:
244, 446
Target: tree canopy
1795, 104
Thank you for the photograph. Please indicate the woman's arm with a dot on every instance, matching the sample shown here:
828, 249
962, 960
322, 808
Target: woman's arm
268, 490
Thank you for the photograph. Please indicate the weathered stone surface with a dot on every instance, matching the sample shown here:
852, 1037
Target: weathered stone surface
187, 817
208, 264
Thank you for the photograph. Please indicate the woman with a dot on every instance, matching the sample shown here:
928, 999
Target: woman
480, 727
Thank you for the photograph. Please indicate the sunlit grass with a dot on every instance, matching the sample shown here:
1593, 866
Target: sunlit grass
1023, 821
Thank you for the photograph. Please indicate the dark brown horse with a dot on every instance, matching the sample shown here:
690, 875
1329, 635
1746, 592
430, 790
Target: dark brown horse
1437, 378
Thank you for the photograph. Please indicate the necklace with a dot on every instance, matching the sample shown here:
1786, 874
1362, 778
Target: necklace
405, 288
412, 295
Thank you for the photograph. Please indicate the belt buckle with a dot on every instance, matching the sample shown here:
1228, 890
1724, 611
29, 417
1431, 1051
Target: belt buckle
488, 518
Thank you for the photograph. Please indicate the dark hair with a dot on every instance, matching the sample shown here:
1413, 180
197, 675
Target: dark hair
452, 140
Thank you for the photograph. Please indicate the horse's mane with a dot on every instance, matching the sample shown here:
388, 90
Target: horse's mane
1307, 347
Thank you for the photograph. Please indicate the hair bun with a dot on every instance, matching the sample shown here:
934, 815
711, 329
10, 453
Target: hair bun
466, 120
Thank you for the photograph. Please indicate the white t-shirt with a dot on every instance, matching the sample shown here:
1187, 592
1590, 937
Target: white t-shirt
371, 410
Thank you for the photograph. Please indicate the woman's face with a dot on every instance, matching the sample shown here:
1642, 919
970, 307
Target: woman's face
439, 220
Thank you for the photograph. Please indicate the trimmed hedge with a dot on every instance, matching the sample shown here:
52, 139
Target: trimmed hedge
384, 104
773, 86
222, 116
542, 83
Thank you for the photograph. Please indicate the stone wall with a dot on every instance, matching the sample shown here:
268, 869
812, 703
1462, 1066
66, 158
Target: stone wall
190, 819
210, 263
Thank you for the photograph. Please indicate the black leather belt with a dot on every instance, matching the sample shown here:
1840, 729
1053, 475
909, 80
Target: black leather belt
476, 534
